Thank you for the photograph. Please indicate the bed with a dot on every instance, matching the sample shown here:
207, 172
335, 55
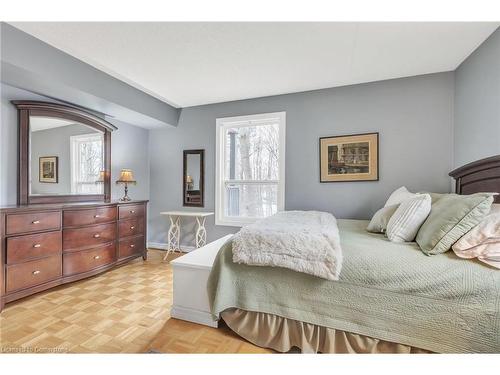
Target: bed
390, 297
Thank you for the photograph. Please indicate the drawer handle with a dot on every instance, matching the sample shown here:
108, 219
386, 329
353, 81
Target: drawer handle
97, 235
97, 257
132, 245
97, 216
132, 211
35, 222
35, 272
37, 245
132, 227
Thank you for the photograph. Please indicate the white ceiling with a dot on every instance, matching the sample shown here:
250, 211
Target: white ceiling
188, 64
38, 123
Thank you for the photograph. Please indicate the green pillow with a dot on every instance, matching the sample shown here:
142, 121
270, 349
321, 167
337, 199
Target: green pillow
451, 217
434, 196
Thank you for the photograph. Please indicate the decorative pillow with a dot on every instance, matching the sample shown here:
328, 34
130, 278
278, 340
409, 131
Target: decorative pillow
378, 223
451, 217
495, 208
398, 196
434, 196
406, 221
490, 254
487, 231
437, 196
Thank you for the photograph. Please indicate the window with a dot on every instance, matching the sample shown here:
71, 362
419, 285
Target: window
86, 163
250, 169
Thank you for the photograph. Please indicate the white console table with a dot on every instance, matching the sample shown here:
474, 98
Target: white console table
174, 232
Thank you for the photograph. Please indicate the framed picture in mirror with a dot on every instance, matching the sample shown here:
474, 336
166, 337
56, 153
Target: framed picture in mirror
48, 169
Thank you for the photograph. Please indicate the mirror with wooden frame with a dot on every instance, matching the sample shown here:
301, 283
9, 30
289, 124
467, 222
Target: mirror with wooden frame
64, 154
193, 179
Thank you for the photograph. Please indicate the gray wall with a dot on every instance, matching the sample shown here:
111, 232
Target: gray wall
8, 149
129, 149
477, 104
54, 142
414, 117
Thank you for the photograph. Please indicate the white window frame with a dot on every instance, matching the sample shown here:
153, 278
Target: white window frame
242, 121
74, 156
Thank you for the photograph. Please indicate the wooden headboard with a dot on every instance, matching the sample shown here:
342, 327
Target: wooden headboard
479, 176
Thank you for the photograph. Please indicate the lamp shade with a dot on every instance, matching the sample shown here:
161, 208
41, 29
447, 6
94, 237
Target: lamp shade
126, 176
102, 175
189, 179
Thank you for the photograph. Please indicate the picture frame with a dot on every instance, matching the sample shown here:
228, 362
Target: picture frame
48, 169
349, 158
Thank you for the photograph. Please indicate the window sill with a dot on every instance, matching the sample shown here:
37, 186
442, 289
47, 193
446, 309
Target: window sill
234, 223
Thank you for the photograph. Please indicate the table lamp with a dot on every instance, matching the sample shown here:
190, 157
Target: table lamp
126, 177
100, 179
189, 182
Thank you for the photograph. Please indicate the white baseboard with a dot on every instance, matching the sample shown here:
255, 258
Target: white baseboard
163, 246
195, 316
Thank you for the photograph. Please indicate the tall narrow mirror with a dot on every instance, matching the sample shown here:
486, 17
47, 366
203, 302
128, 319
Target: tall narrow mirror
193, 178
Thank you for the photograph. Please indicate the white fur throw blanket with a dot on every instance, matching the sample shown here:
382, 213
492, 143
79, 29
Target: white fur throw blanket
303, 241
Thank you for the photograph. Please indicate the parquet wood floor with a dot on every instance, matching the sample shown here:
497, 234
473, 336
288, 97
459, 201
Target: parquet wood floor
125, 310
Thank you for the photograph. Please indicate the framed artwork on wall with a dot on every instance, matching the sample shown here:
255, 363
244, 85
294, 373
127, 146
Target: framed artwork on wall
349, 158
48, 169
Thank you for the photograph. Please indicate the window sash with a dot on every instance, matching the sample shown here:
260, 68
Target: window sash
223, 124
78, 184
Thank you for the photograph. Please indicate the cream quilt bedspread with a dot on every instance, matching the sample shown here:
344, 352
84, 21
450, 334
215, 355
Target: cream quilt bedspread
386, 290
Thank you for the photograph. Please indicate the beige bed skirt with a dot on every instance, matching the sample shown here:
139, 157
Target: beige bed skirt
282, 334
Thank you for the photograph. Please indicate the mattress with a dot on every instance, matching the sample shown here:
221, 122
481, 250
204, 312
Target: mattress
389, 291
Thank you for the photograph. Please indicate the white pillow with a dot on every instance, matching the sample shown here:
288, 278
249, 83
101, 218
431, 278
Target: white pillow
408, 218
398, 196
378, 223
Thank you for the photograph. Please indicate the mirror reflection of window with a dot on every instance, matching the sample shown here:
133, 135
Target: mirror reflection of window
193, 172
86, 163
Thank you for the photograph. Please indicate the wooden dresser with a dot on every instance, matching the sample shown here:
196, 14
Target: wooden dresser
45, 245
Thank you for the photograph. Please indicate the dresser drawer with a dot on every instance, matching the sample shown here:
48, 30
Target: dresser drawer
131, 227
130, 211
87, 260
32, 273
89, 216
22, 248
130, 247
82, 238
32, 222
